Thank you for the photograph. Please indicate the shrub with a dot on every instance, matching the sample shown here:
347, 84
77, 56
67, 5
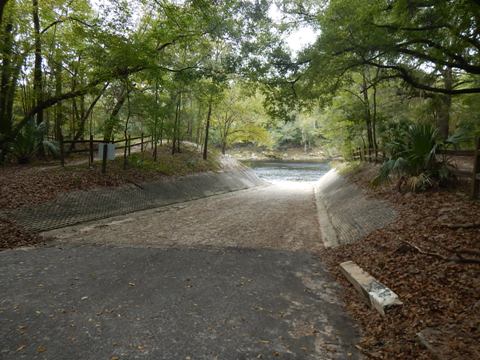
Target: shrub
413, 158
30, 141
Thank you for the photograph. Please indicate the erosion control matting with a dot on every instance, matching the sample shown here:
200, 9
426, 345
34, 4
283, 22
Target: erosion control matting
80, 206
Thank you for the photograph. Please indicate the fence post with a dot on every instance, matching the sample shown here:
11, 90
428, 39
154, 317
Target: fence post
476, 169
141, 143
91, 150
129, 144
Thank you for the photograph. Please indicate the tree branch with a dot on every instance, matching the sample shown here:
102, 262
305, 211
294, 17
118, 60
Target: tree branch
408, 78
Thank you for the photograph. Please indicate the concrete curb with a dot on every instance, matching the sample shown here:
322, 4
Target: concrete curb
329, 235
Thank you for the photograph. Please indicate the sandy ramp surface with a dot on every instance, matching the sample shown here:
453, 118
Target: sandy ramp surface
280, 216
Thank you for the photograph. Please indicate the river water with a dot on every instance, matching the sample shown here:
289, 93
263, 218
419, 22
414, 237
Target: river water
292, 171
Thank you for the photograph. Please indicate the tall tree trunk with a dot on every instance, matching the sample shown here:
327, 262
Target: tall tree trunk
37, 71
2, 8
207, 128
12, 88
125, 131
179, 125
176, 125
443, 115
374, 121
224, 134
155, 124
190, 122
58, 107
199, 127
368, 114
59, 110
5, 119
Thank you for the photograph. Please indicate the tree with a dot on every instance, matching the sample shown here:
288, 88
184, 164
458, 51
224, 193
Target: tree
239, 117
412, 40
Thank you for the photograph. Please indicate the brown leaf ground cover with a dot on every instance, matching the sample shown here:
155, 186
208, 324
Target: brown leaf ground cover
26, 185
436, 292
13, 236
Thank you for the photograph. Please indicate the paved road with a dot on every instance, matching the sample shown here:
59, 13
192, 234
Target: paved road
234, 276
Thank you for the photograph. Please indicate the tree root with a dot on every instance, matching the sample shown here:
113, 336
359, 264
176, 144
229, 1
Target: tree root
457, 258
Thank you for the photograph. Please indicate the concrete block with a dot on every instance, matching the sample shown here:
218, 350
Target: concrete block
373, 292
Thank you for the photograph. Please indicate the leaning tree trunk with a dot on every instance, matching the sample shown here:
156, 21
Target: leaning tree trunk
84, 117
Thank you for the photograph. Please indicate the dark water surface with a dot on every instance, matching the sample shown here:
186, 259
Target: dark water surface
279, 170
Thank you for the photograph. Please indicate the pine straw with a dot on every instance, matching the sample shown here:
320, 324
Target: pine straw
435, 292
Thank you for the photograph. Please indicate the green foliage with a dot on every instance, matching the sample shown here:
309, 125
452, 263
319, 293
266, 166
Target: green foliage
29, 141
413, 157
374, 71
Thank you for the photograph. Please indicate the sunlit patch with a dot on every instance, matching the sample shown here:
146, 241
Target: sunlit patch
289, 173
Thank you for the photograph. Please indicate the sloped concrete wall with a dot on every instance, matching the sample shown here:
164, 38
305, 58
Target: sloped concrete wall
79, 206
346, 214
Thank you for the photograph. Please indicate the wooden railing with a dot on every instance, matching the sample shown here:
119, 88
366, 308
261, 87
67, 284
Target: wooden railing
370, 155
93, 146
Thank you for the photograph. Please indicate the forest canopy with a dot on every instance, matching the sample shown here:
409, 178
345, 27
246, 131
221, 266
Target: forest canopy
222, 71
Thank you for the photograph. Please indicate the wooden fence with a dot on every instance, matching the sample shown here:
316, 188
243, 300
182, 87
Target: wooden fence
91, 146
370, 155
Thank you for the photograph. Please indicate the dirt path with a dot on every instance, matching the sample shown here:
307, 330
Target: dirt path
234, 276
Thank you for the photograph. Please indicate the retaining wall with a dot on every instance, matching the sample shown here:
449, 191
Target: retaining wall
346, 214
80, 206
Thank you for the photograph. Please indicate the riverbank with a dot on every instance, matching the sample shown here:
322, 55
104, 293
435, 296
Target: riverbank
231, 276
24, 189
252, 153
427, 255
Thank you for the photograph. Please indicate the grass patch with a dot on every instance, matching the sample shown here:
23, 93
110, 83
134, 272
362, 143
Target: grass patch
189, 161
